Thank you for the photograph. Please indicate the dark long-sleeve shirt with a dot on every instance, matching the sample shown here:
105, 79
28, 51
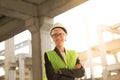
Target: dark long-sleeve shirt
67, 74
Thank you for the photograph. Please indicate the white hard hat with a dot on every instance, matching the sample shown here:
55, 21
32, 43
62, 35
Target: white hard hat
58, 25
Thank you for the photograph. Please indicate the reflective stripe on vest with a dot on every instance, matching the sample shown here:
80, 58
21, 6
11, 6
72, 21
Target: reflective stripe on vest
58, 63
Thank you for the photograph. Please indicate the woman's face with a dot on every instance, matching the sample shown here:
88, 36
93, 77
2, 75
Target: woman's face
58, 36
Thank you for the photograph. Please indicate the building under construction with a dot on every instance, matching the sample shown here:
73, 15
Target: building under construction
36, 16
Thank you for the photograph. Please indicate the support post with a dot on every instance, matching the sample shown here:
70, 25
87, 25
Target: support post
103, 53
34, 26
10, 71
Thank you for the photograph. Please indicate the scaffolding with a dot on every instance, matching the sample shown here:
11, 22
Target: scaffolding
102, 50
16, 67
108, 69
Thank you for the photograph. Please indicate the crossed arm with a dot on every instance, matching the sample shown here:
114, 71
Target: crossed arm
77, 72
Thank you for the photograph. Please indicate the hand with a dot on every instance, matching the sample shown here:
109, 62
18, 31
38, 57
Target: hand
58, 72
77, 66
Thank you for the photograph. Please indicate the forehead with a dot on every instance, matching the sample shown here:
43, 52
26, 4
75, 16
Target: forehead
57, 30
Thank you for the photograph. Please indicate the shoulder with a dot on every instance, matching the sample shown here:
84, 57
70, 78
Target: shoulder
73, 51
49, 51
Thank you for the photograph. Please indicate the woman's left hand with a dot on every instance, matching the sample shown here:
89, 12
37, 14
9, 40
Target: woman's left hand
78, 66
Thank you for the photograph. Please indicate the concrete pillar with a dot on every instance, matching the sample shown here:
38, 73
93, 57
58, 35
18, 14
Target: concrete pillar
103, 53
34, 25
10, 72
89, 52
116, 57
46, 43
30, 48
45, 34
30, 72
21, 59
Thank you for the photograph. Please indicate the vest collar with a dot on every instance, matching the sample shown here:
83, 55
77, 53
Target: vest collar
58, 52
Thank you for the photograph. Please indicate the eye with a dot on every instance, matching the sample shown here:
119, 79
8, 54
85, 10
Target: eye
60, 34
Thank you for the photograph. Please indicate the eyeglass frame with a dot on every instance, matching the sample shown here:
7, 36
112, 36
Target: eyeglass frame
56, 35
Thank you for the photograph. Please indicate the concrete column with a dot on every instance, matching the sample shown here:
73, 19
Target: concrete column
46, 43
103, 52
45, 34
89, 52
21, 59
115, 56
30, 48
34, 25
10, 72
36, 56
30, 72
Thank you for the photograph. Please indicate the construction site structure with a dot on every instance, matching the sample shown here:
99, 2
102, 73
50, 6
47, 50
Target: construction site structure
37, 16
101, 50
19, 67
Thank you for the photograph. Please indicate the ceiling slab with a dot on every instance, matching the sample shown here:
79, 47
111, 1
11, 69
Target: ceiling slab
14, 13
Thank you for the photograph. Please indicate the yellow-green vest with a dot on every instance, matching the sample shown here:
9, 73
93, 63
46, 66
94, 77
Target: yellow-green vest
58, 63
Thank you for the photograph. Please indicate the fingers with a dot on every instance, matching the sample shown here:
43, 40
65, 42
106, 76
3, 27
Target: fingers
78, 66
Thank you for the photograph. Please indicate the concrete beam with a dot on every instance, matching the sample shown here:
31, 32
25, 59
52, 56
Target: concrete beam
56, 7
113, 67
13, 13
111, 47
17, 8
23, 9
11, 28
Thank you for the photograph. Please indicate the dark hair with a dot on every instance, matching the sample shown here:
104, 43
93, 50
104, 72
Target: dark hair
58, 27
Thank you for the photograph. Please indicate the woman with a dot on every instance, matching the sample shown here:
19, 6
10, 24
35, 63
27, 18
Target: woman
60, 63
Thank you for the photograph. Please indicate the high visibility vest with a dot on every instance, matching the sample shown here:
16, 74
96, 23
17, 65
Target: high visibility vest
58, 63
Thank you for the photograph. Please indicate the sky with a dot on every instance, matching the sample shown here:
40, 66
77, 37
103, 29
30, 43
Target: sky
82, 23
83, 20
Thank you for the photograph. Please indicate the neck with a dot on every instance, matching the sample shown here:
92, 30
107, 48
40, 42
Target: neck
61, 49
